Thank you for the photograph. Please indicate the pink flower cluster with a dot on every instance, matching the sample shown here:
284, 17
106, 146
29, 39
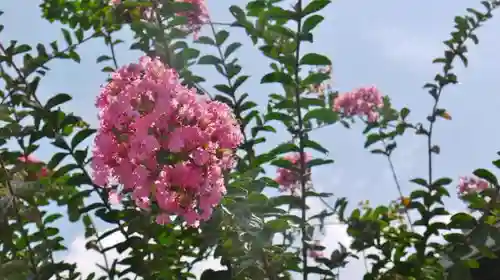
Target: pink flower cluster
196, 17
289, 180
469, 185
361, 102
30, 159
163, 142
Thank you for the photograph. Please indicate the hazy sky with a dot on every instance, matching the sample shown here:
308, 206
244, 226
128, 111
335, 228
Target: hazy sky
389, 44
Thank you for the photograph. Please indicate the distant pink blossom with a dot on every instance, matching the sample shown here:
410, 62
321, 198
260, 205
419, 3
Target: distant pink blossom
163, 142
30, 159
289, 180
469, 185
114, 197
316, 253
360, 102
323, 87
196, 17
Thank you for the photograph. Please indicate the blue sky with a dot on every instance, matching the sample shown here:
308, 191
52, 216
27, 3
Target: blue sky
389, 44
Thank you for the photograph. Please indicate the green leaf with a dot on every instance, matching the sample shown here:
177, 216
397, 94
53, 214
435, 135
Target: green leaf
52, 218
315, 59
372, 139
471, 263
81, 136
283, 163
205, 40
486, 175
317, 162
462, 221
293, 201
323, 115
57, 100
224, 89
60, 143
497, 163
190, 53
285, 118
65, 170
221, 37
103, 58
278, 225
404, 113
277, 77
111, 216
79, 35
284, 148
74, 56
420, 181
479, 235
78, 179
5, 113
315, 78
21, 49
442, 182
231, 48
239, 81
315, 146
209, 60
67, 36
56, 159
314, 6
315, 194
311, 22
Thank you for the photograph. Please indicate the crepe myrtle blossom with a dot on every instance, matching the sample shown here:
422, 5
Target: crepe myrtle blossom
162, 142
30, 159
321, 88
468, 185
315, 252
196, 16
360, 102
289, 180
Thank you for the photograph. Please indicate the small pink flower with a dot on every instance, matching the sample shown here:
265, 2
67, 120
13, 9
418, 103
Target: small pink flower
114, 197
361, 102
196, 17
289, 180
469, 185
162, 219
115, 2
30, 159
316, 253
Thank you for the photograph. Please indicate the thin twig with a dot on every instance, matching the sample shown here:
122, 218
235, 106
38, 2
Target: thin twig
398, 185
109, 40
